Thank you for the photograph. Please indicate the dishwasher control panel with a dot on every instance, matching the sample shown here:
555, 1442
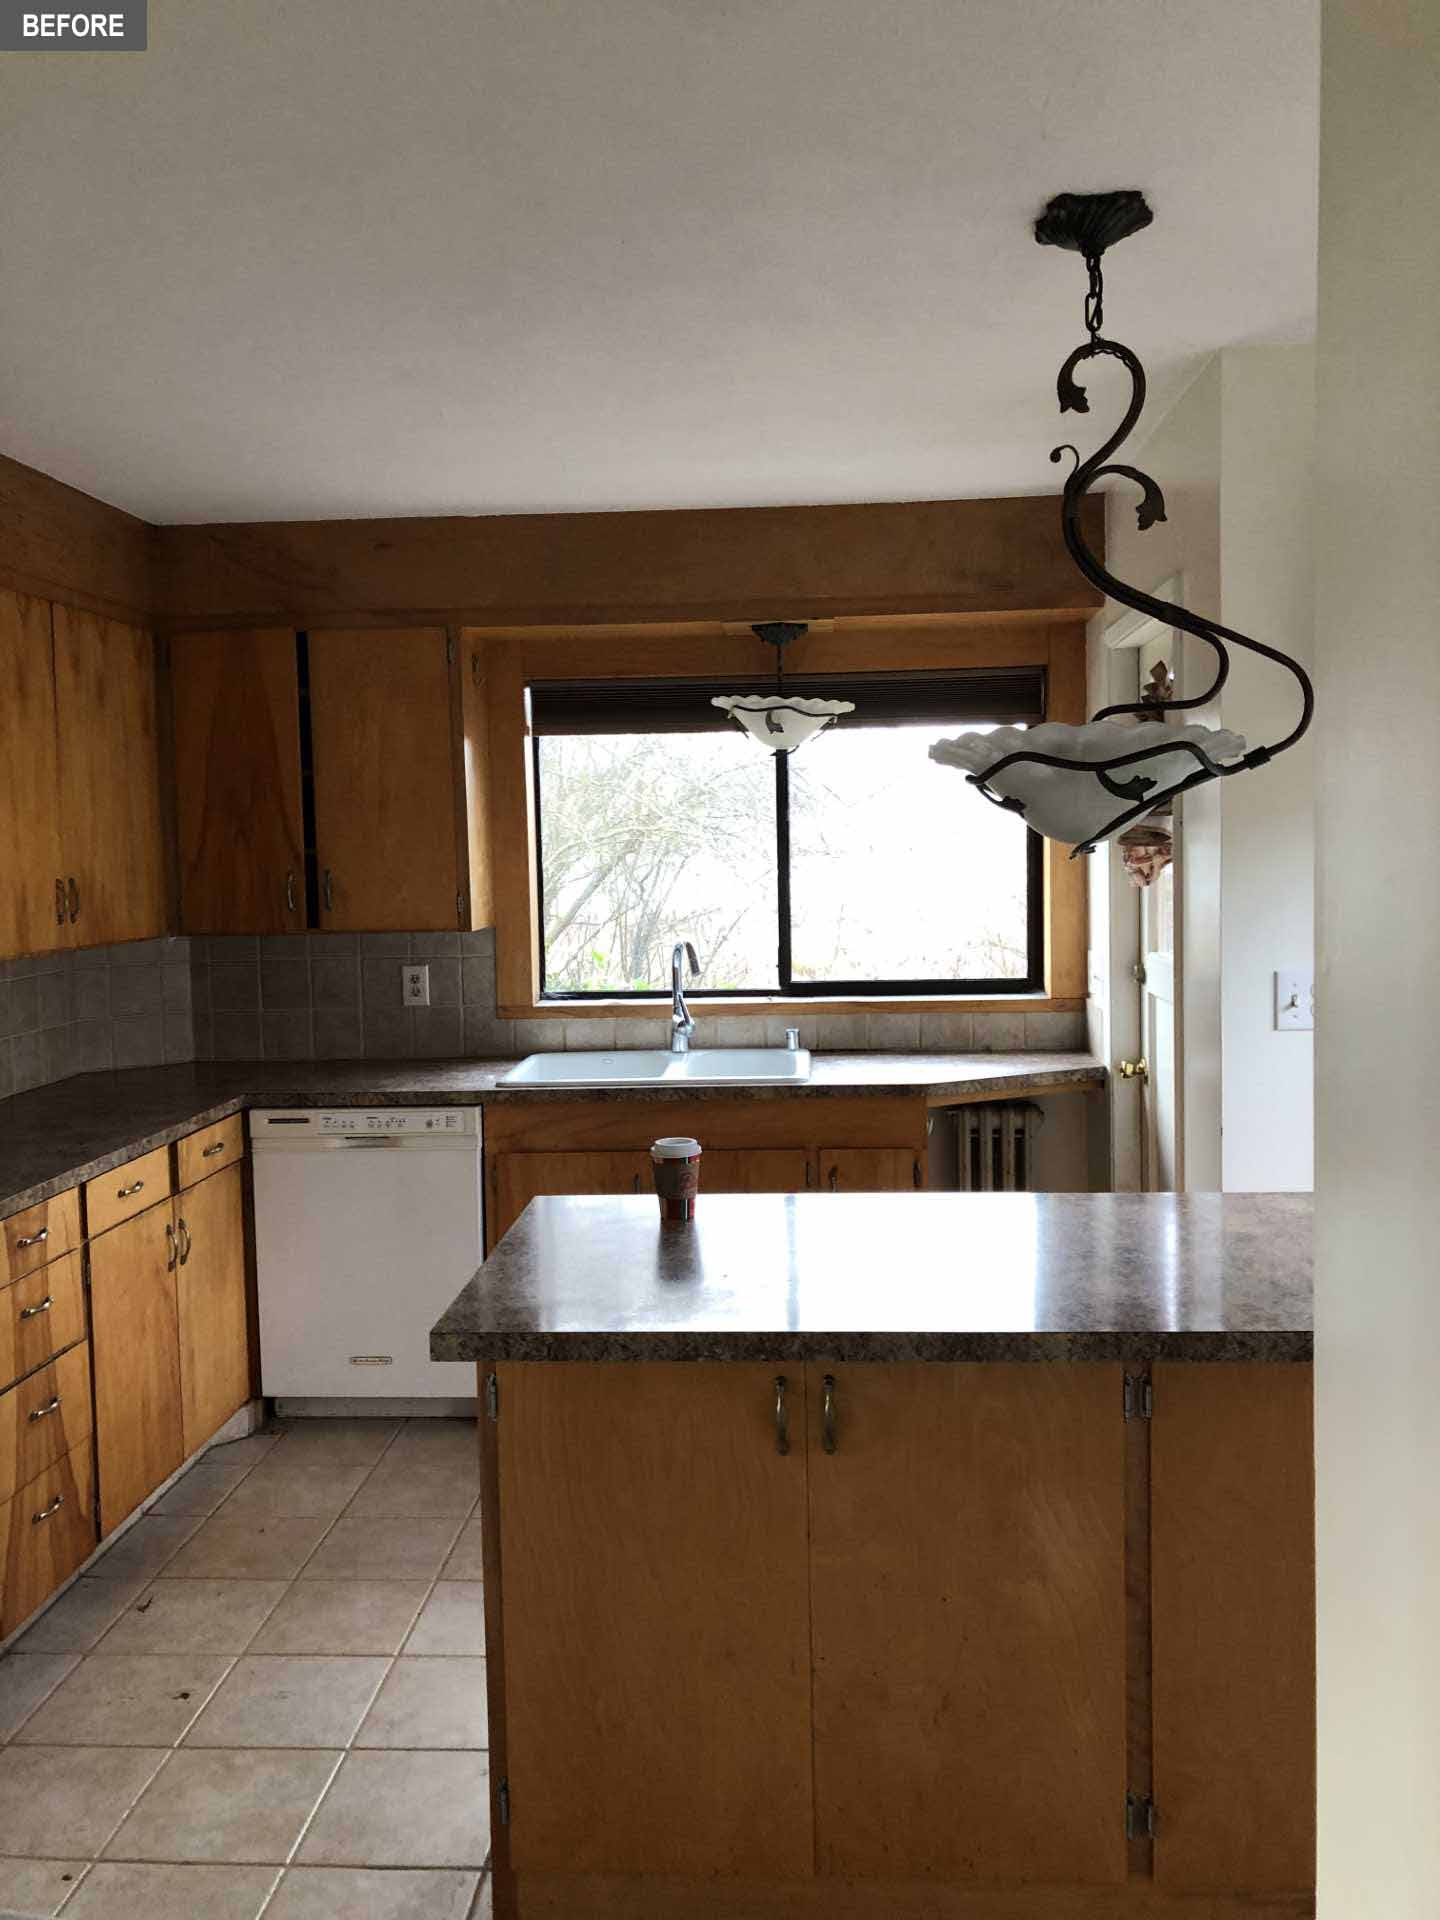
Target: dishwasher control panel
276, 1125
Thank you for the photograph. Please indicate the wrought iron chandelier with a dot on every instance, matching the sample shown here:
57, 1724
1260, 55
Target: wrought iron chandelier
1065, 780
780, 722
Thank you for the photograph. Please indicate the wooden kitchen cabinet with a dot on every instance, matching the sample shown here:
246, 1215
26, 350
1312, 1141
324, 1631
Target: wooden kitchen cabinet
967, 1562
870, 1169
681, 1633
39, 1234
44, 1417
757, 1170
109, 811
32, 911
518, 1178
236, 704
139, 1425
46, 1531
211, 1304
389, 828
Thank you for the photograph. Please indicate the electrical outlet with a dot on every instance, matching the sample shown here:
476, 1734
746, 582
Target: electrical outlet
1294, 999
415, 985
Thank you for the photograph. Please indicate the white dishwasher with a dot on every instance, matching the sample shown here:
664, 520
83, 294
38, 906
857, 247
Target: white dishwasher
368, 1222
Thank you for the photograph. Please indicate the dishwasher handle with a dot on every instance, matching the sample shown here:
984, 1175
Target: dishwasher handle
398, 1140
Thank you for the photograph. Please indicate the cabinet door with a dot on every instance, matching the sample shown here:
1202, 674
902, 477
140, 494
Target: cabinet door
1233, 1626
237, 780
657, 1684
385, 790
870, 1170
135, 1359
968, 1598
214, 1319
32, 919
109, 779
756, 1170
517, 1178
46, 1532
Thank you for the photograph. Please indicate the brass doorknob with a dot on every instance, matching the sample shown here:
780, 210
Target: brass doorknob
1133, 1069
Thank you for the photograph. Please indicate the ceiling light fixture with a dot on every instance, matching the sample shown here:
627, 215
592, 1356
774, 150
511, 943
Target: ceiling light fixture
1065, 780
781, 722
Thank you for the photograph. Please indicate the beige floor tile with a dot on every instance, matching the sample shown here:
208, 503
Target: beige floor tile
281, 1489
80, 1792
37, 1886
82, 1613
484, 1907
200, 1492
342, 1616
429, 1703
171, 1893
452, 1620
466, 1560
126, 1700
247, 1549
435, 1439
149, 1545
195, 1616
279, 1700
347, 1893
403, 1810
234, 1806
25, 1680
397, 1489
361, 1549
242, 1453
342, 1442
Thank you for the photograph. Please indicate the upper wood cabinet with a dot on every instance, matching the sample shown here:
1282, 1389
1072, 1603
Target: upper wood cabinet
390, 844
237, 781
110, 829
32, 902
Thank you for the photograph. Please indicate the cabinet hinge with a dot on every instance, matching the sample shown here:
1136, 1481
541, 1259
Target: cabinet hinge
492, 1396
1137, 972
449, 649
503, 1798
1139, 1817
1139, 1396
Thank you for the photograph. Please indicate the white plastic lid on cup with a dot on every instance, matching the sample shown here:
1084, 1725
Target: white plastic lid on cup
675, 1146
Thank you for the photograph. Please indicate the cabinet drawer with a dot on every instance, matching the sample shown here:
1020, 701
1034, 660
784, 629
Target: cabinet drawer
128, 1190
46, 1531
38, 1235
40, 1316
43, 1418
211, 1149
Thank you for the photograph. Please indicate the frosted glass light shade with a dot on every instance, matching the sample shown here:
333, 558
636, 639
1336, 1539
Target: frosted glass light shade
1074, 807
780, 722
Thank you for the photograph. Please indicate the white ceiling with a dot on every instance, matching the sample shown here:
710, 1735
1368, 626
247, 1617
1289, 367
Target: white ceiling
342, 257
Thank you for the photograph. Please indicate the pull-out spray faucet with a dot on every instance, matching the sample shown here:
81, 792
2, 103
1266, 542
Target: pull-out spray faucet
682, 1021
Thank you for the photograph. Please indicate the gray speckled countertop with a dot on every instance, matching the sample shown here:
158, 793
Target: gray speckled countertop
60, 1135
929, 1276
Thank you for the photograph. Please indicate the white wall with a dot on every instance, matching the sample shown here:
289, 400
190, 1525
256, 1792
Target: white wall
1267, 835
1377, 659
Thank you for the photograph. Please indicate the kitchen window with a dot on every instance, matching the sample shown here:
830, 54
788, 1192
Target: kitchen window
855, 866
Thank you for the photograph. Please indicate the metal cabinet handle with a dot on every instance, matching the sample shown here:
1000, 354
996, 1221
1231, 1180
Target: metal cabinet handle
185, 1242
29, 1313
329, 890
915, 1171
39, 1413
290, 889
809, 1174
782, 1418
73, 895
827, 1415
834, 1179
174, 1247
45, 1513
635, 1184
128, 1193
59, 902
33, 1240
209, 1153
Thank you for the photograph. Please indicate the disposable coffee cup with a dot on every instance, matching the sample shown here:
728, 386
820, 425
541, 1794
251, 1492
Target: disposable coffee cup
675, 1161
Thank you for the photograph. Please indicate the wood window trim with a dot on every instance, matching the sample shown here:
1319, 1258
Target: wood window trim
507, 659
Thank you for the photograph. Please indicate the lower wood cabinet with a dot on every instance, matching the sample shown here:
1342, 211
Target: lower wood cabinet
43, 1418
211, 1305
139, 1428
870, 1170
40, 1315
47, 1530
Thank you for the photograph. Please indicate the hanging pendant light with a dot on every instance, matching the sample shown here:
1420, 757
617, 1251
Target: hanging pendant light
780, 722
1066, 780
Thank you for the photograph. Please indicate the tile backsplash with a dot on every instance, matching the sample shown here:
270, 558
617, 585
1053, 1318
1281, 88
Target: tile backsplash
338, 996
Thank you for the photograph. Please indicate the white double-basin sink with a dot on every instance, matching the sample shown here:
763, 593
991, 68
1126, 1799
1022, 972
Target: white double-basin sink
701, 1067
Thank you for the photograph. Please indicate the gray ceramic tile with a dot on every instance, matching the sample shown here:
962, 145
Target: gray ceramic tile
947, 1032
444, 982
337, 1036
999, 1032
282, 1488
373, 945
333, 946
126, 1700
7, 1082
82, 1792
142, 953
389, 1033
466, 1560
589, 1036
287, 1036
284, 984
247, 1548
1055, 1032
53, 999
144, 1548
342, 1617
482, 1036
429, 946
381, 983
397, 1489
478, 981
25, 1680
24, 1004
436, 1033
177, 990
131, 1891
335, 981
402, 1550
452, 1621
38, 1886
139, 1043
179, 1038
59, 1053
894, 1032
340, 1442
235, 989
28, 1061
245, 1805
201, 1490
6, 1023
482, 940
288, 946
236, 1036
74, 1622
403, 1810
435, 1704
91, 993
277, 1700
195, 1616
135, 991
232, 948
346, 1893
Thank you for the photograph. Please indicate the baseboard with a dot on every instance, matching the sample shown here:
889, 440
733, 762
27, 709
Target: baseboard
357, 1407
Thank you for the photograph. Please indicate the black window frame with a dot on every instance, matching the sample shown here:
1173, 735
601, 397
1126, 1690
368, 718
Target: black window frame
1033, 981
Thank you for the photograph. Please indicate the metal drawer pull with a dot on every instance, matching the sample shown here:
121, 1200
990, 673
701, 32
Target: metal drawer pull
782, 1421
290, 890
827, 1415
635, 1184
45, 1513
33, 1239
329, 891
29, 1313
39, 1413
174, 1247
59, 903
74, 896
209, 1153
185, 1243
126, 1193
834, 1179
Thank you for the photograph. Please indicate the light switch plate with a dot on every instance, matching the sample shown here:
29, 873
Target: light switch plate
415, 985
1294, 999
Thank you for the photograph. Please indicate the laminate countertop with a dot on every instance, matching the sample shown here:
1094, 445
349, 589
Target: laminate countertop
884, 1276
60, 1135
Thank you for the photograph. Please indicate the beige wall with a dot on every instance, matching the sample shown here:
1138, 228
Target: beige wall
1377, 658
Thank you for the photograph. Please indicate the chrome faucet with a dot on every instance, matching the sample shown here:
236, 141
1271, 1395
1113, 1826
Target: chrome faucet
682, 1021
